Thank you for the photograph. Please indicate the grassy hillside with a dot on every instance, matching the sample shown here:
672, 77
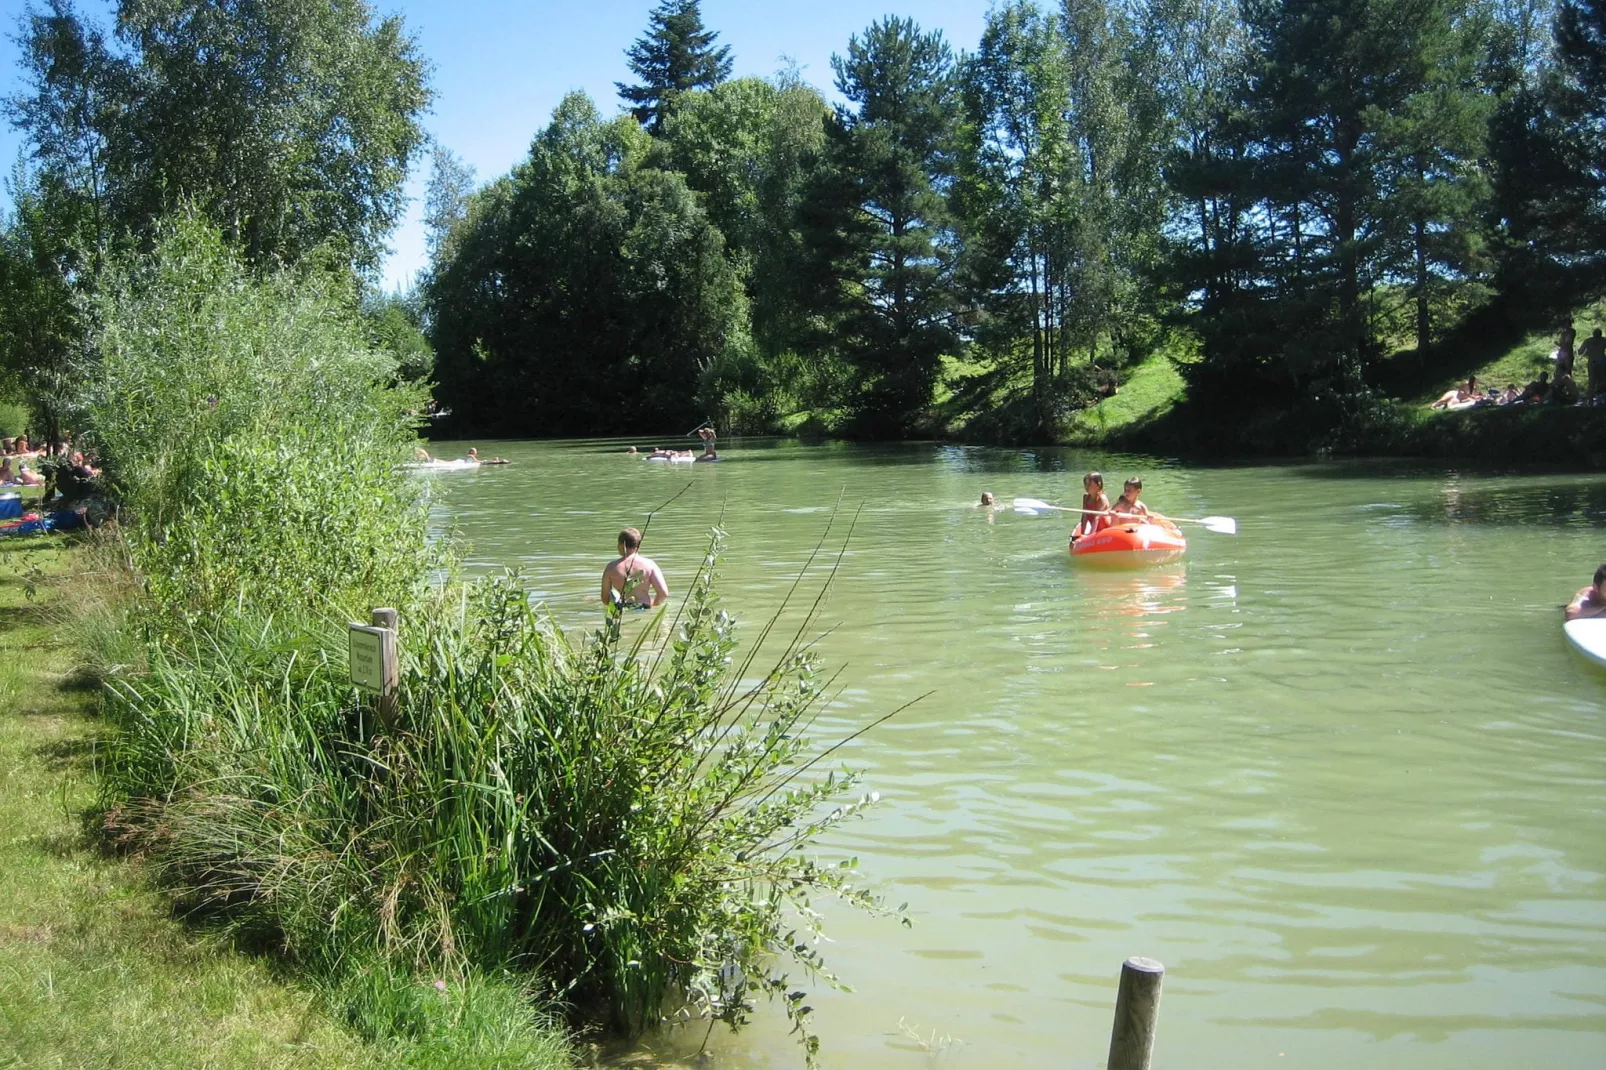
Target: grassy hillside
1149, 392
1521, 363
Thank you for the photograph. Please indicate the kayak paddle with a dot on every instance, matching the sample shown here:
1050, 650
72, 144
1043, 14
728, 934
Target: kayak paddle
1222, 525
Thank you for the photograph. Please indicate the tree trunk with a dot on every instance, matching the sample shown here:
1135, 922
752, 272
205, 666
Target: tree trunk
1424, 324
1039, 341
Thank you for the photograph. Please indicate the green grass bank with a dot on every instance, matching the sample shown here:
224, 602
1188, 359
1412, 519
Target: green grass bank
94, 969
1152, 414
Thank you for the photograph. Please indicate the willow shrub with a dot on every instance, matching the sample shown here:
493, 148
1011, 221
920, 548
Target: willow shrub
628, 832
253, 432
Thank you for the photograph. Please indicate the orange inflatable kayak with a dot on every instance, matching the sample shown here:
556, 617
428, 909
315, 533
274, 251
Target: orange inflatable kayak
1131, 544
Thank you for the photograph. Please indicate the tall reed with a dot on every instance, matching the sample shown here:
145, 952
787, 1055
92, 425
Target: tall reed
632, 831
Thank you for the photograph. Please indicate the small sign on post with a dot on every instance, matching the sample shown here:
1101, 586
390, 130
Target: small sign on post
372, 651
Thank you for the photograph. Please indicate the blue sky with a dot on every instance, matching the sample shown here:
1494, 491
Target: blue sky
502, 66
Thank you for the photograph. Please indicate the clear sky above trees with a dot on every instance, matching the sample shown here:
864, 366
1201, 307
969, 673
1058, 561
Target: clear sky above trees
502, 66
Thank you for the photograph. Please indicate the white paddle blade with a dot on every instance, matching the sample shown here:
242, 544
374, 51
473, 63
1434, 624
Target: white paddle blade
1225, 525
1031, 505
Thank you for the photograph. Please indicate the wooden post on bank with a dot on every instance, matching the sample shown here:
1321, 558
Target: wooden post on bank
373, 661
386, 705
1137, 1010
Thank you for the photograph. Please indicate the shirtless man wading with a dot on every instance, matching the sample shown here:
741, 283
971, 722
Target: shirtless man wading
633, 581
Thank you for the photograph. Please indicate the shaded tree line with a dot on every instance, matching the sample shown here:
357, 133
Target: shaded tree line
1279, 193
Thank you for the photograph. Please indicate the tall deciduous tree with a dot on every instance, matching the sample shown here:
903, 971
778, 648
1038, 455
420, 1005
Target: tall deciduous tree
290, 124
881, 242
675, 56
446, 199
587, 291
1015, 153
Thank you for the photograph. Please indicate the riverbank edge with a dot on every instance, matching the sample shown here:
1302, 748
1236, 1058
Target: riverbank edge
1572, 437
95, 968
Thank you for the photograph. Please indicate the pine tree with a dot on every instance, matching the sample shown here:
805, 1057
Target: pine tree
880, 240
675, 56
1348, 162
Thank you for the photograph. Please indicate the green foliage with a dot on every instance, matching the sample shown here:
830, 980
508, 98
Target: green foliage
1060, 190
1549, 159
41, 335
291, 124
395, 323
249, 426
675, 57
630, 828
587, 290
1344, 163
880, 249
618, 833
13, 419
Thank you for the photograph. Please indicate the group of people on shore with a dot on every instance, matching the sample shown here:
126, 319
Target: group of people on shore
24, 464
1562, 390
706, 433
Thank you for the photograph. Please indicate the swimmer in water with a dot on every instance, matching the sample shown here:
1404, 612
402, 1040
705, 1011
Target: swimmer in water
632, 580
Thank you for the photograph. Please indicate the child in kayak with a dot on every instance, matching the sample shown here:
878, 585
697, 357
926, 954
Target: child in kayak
1127, 505
1094, 506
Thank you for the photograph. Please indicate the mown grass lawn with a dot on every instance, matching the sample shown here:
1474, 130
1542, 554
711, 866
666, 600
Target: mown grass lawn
94, 972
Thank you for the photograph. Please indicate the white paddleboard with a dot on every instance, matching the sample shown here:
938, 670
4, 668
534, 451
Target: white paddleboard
1588, 637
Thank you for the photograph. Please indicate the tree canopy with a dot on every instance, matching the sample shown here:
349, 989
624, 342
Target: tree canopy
291, 125
1282, 196
587, 290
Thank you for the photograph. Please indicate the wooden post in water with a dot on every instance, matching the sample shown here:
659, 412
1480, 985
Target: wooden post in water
387, 619
1137, 1010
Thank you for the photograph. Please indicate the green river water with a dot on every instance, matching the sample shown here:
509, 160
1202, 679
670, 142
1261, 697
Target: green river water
1339, 772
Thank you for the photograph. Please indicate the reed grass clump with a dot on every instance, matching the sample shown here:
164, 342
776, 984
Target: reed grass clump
630, 832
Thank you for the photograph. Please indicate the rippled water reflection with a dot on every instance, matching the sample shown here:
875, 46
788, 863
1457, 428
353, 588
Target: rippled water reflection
1339, 772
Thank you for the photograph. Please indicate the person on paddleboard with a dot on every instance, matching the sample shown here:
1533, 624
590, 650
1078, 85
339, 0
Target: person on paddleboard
1094, 505
1591, 601
633, 581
